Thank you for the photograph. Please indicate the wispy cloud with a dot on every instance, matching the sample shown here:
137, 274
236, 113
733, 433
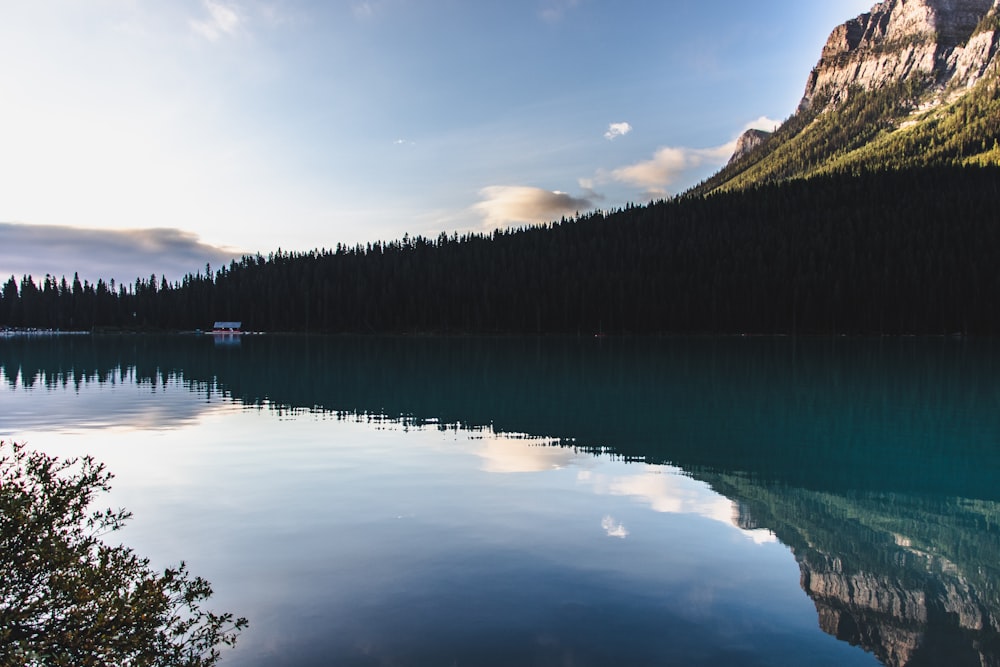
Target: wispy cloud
614, 528
504, 205
99, 253
365, 9
669, 165
555, 10
762, 123
223, 20
616, 130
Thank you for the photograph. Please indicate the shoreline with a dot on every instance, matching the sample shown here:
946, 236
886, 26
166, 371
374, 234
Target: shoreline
12, 333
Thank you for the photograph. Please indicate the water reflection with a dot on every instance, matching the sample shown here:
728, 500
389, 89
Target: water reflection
506, 454
873, 461
913, 579
668, 490
908, 416
116, 400
662, 488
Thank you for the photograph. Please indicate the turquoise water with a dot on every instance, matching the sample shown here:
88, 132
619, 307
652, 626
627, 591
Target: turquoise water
440, 501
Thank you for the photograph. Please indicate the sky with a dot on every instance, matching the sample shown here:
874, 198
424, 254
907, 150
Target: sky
142, 137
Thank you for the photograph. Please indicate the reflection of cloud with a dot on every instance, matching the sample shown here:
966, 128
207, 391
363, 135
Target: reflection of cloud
616, 130
762, 123
222, 20
614, 528
506, 455
101, 253
761, 536
506, 204
674, 494
666, 490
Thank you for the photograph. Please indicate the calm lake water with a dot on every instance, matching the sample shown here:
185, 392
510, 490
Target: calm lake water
586, 502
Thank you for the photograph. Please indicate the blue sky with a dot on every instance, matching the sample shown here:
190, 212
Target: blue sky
141, 136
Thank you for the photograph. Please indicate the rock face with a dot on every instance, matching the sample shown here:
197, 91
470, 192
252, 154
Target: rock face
905, 621
748, 141
898, 599
950, 42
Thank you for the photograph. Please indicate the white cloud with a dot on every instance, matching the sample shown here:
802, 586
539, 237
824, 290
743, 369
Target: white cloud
614, 528
762, 123
669, 165
504, 205
222, 20
616, 130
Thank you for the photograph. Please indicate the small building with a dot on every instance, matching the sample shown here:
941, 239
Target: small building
227, 327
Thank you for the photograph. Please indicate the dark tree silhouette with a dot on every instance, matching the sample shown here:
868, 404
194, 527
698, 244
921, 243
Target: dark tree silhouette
888, 252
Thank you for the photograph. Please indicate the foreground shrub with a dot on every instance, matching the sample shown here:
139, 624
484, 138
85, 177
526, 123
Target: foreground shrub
69, 598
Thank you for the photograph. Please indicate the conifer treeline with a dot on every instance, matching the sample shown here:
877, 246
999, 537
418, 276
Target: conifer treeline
893, 252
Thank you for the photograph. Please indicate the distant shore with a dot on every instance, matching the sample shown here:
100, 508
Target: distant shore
10, 333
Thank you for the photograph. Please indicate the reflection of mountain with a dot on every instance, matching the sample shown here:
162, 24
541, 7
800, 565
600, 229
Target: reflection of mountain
912, 579
902, 415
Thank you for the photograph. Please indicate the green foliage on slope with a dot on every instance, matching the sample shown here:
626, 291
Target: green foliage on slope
874, 131
964, 132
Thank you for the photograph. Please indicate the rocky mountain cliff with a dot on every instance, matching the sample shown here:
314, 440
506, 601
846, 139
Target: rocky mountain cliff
911, 83
948, 44
748, 141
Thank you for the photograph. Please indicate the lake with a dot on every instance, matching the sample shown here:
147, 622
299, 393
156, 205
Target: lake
549, 501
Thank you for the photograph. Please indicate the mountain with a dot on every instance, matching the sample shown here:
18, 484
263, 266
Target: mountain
748, 141
948, 44
912, 83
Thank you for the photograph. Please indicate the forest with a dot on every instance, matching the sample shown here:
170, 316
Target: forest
897, 251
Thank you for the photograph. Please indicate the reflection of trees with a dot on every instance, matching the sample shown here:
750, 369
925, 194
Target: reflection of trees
915, 580
905, 415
